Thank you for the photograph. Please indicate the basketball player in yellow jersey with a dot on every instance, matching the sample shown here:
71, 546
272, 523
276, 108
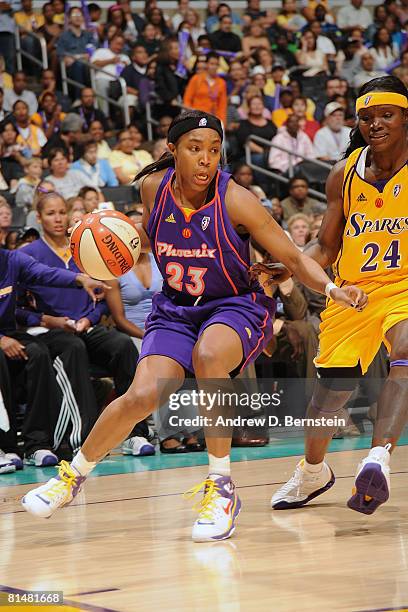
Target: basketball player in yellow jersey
365, 235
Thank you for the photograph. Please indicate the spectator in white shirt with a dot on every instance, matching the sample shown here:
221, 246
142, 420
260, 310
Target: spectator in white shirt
179, 17
19, 92
292, 138
382, 50
331, 141
323, 43
354, 16
310, 56
366, 72
113, 61
66, 181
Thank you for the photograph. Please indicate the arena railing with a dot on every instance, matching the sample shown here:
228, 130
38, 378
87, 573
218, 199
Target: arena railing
43, 62
151, 121
93, 70
279, 177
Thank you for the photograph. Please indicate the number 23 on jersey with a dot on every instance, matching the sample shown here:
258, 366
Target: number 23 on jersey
176, 274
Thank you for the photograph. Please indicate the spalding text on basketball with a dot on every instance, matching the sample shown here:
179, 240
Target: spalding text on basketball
111, 244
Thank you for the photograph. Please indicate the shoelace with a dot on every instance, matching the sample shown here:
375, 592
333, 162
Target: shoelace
206, 506
379, 456
295, 480
67, 477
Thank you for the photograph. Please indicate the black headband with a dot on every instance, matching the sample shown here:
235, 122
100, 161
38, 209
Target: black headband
194, 123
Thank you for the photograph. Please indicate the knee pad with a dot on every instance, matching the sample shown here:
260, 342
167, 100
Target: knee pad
339, 379
333, 389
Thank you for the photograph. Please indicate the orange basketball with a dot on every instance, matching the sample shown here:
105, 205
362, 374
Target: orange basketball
105, 244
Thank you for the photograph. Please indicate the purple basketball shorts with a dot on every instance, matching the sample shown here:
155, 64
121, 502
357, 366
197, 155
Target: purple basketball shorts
172, 331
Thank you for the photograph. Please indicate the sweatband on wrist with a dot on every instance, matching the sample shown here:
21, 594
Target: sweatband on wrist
329, 287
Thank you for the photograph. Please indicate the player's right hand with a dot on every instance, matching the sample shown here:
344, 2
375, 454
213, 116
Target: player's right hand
64, 323
91, 285
350, 296
12, 348
277, 273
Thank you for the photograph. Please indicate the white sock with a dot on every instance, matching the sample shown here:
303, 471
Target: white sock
81, 465
313, 468
219, 466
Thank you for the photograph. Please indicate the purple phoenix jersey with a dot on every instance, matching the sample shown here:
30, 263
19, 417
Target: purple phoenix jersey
204, 264
199, 253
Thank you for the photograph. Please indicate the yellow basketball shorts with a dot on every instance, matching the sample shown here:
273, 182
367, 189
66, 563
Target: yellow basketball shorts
348, 337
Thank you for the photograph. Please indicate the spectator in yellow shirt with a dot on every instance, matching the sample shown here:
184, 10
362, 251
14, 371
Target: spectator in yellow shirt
27, 19
30, 22
126, 161
49, 116
59, 11
280, 115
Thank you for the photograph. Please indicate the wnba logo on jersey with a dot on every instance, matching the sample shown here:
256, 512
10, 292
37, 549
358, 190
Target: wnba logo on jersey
205, 222
396, 191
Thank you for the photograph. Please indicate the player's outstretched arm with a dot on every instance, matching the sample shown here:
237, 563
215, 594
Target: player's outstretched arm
245, 210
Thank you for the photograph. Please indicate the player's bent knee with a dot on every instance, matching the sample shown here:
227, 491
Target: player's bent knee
140, 402
204, 358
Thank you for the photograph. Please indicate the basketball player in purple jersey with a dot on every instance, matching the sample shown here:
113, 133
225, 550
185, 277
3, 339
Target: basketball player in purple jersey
210, 318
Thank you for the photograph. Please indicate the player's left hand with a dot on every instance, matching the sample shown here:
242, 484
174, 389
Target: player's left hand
350, 296
277, 273
91, 285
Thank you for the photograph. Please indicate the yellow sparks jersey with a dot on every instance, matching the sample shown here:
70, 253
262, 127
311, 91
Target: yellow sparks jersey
375, 239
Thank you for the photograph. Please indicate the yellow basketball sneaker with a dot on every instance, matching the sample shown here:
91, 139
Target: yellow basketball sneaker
56, 493
218, 509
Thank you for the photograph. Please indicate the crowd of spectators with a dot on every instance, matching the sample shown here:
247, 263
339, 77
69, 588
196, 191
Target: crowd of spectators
286, 78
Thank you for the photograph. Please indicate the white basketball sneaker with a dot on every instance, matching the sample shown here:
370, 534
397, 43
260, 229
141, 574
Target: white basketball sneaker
302, 487
44, 500
218, 509
6, 464
42, 458
372, 484
138, 447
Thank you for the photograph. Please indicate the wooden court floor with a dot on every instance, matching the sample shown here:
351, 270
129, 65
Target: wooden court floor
125, 545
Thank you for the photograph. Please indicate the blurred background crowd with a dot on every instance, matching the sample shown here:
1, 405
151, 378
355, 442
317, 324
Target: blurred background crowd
87, 94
